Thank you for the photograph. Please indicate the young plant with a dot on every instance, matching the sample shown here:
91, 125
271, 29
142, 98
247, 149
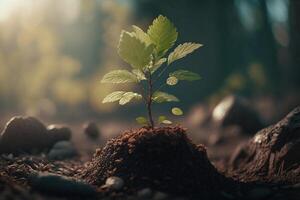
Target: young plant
146, 54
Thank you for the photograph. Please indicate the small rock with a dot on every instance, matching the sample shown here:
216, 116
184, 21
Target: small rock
57, 185
91, 130
114, 183
58, 133
23, 134
145, 193
62, 150
160, 196
234, 110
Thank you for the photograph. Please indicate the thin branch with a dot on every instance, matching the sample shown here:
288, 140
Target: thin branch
143, 92
149, 102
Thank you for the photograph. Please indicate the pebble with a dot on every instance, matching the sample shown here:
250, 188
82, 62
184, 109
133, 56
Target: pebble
234, 110
57, 185
91, 130
62, 150
114, 182
58, 133
23, 135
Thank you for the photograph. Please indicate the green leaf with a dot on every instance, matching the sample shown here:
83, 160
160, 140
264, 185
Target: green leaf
141, 35
160, 97
134, 51
172, 80
141, 120
158, 64
177, 111
161, 119
128, 96
119, 76
185, 75
163, 34
182, 50
166, 122
114, 96
139, 74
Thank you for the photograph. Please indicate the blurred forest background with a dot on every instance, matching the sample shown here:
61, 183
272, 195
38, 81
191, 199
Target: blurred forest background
53, 53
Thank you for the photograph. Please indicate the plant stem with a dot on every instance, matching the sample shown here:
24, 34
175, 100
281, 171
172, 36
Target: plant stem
149, 101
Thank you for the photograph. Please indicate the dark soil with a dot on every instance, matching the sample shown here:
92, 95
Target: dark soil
272, 155
160, 158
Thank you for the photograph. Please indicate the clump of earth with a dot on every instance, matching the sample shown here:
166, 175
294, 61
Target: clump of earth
160, 158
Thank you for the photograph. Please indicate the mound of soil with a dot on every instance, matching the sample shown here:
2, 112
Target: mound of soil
159, 158
273, 154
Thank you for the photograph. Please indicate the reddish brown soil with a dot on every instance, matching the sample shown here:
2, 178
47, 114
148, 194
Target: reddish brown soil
160, 158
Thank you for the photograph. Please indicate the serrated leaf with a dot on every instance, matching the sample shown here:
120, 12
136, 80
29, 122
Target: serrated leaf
140, 34
134, 51
172, 80
158, 64
160, 97
182, 50
168, 122
163, 34
177, 111
128, 96
141, 120
139, 74
114, 96
119, 76
185, 75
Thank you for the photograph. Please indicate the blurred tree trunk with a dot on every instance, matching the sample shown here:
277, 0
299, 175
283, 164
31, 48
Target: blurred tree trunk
294, 17
269, 52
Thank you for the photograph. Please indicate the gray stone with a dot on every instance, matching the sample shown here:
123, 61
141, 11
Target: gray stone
57, 185
91, 130
62, 150
234, 110
58, 133
23, 135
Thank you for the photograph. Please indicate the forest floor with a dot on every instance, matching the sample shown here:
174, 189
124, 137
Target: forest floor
35, 176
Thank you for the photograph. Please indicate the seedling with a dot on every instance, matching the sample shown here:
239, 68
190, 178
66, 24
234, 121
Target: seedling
146, 54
